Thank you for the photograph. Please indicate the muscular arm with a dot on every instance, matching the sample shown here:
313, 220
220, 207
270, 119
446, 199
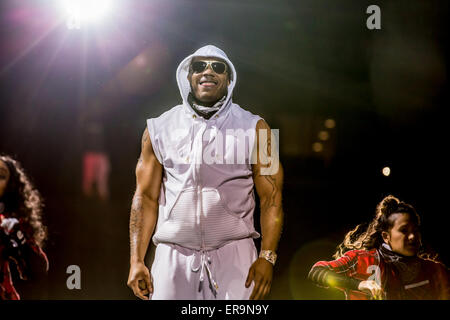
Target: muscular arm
144, 213
268, 179
269, 188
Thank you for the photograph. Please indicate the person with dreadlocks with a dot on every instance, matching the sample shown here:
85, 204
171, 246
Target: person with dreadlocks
21, 230
386, 260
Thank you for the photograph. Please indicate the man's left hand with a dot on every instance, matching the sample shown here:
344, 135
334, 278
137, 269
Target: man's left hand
261, 273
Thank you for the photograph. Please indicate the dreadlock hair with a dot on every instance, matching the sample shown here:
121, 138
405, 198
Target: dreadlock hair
367, 237
22, 200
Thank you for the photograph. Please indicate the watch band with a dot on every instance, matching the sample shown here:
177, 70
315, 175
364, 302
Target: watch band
269, 255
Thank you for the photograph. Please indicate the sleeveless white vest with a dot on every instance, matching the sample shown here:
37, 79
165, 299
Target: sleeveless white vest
206, 197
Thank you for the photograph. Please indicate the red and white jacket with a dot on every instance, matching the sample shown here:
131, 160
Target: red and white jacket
428, 280
18, 246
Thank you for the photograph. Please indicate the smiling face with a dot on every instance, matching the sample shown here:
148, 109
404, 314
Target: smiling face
4, 177
208, 86
404, 236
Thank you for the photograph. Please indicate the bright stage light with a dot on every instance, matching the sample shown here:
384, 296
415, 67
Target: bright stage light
386, 171
79, 12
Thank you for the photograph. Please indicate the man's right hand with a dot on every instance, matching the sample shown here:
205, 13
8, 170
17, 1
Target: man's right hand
139, 280
372, 288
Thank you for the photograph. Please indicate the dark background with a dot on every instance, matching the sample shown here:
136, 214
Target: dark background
298, 63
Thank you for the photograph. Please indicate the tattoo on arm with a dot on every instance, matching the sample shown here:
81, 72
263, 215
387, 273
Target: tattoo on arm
144, 138
271, 200
270, 179
136, 217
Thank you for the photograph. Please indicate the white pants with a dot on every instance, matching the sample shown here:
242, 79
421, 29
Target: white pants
179, 273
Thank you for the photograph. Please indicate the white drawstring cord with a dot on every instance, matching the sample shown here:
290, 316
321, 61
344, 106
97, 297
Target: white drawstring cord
205, 261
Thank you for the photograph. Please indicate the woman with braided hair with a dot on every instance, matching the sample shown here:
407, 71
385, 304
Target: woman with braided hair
385, 260
21, 231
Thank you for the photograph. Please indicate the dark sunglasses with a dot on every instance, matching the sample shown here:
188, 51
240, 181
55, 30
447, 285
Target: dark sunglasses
217, 66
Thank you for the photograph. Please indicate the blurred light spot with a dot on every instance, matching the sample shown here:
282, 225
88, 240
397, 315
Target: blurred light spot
331, 282
324, 135
330, 123
386, 171
317, 146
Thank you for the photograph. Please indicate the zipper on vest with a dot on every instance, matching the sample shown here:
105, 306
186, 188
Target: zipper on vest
199, 188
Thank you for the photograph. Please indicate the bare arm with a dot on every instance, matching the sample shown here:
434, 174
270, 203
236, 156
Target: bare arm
268, 179
269, 189
143, 216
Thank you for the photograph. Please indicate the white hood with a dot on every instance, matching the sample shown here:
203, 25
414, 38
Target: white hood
183, 70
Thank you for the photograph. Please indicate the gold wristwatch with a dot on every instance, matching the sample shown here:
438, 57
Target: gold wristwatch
269, 255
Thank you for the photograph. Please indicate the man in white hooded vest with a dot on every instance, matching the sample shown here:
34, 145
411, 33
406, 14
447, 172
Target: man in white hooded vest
199, 164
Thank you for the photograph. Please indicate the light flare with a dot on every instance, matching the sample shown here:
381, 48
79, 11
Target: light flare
79, 12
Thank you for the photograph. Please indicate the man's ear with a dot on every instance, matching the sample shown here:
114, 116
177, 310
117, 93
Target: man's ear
386, 236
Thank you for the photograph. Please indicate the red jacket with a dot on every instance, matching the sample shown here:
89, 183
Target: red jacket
19, 250
428, 280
